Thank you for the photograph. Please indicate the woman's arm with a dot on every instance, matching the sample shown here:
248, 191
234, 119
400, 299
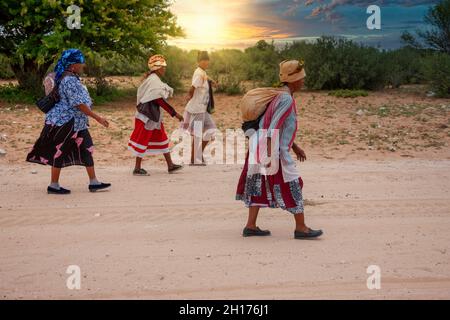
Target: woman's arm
173, 113
190, 94
87, 111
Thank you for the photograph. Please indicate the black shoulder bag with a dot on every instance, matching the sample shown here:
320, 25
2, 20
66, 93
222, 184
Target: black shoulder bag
47, 103
211, 107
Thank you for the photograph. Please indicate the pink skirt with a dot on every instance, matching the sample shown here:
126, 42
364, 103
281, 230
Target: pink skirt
145, 142
270, 191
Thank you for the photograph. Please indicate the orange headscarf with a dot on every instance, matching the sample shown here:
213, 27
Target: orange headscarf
156, 62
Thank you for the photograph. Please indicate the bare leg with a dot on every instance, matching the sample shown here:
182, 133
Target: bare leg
91, 173
138, 165
300, 223
169, 161
252, 217
56, 172
204, 144
193, 151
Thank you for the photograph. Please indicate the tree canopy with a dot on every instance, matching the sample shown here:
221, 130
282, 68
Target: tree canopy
34, 32
437, 36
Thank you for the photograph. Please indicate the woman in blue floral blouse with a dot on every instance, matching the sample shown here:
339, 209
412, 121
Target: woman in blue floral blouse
65, 140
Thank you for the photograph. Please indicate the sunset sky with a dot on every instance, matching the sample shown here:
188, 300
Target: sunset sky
216, 24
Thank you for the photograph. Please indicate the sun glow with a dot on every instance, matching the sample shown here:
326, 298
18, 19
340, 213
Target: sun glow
209, 24
216, 24
203, 22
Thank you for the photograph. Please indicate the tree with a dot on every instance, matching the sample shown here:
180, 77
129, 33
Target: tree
437, 37
34, 32
262, 63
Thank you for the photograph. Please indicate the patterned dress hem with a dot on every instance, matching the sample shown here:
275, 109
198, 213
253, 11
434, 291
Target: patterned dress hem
253, 188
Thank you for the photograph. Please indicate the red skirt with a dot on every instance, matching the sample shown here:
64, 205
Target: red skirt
145, 142
270, 191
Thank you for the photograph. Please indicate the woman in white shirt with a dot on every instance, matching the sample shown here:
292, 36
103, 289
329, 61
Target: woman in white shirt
197, 120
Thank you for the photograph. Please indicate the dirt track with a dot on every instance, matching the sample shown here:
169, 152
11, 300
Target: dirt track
178, 236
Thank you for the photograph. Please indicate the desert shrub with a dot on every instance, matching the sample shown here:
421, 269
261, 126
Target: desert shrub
230, 84
5, 70
342, 64
180, 65
346, 93
118, 65
109, 93
298, 50
13, 94
403, 66
261, 63
436, 68
228, 69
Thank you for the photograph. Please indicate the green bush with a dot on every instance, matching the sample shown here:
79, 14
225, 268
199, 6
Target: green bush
437, 72
342, 64
109, 93
227, 68
230, 85
261, 64
13, 94
5, 69
403, 66
180, 65
346, 93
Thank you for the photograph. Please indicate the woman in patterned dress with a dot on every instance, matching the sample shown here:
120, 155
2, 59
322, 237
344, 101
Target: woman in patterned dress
65, 140
276, 184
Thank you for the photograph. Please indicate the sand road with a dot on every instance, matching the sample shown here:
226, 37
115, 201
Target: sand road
178, 236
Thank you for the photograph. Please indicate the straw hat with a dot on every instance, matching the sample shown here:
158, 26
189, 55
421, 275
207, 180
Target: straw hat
156, 62
292, 71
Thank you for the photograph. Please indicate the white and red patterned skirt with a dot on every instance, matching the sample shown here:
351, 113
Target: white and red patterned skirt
145, 142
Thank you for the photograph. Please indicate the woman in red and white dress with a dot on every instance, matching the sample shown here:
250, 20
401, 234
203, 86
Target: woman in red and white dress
149, 136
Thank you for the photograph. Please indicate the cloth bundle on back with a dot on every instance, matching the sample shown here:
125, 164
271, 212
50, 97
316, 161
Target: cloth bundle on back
279, 184
255, 102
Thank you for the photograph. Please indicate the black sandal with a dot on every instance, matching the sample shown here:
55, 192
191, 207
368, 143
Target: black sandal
175, 168
203, 164
255, 232
140, 172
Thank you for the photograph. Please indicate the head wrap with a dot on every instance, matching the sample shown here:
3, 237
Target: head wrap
68, 57
156, 62
292, 71
203, 56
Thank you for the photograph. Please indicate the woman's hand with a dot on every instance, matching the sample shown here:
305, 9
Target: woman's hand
301, 155
102, 121
215, 85
179, 117
87, 111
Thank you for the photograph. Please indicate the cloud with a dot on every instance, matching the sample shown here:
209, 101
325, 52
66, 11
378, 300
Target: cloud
327, 8
217, 23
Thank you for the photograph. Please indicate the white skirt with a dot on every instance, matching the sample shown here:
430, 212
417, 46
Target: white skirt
199, 124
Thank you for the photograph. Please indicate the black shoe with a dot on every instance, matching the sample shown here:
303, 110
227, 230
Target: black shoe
175, 168
98, 187
312, 234
60, 191
255, 233
140, 172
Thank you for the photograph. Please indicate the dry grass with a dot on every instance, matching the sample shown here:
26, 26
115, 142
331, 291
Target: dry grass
392, 123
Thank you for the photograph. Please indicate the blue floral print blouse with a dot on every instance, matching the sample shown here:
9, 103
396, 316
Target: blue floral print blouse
72, 93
